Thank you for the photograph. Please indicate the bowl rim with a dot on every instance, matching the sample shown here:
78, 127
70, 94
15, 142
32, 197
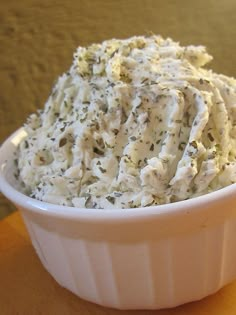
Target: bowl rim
166, 210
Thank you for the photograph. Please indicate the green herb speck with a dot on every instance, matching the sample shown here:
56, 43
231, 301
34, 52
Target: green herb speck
152, 147
62, 142
102, 170
111, 199
133, 138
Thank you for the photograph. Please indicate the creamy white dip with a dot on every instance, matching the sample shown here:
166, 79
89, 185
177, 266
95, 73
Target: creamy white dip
134, 122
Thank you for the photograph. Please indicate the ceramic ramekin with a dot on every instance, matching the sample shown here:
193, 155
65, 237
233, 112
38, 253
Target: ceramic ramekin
145, 258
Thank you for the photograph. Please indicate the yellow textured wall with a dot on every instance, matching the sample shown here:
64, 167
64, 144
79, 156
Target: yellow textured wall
37, 40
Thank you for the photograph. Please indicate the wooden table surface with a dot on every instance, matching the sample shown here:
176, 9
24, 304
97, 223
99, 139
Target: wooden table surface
37, 40
27, 289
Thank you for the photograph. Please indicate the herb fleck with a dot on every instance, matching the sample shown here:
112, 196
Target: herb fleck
133, 138
147, 120
114, 52
117, 194
181, 146
111, 199
87, 201
102, 169
115, 131
194, 144
62, 142
144, 80
97, 151
42, 159
26, 144
211, 138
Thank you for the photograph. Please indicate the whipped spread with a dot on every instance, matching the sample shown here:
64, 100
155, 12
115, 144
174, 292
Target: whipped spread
134, 122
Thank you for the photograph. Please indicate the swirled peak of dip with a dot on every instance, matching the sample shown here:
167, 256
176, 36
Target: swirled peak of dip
134, 122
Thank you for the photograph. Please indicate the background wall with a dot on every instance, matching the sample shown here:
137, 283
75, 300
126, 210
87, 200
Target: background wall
38, 38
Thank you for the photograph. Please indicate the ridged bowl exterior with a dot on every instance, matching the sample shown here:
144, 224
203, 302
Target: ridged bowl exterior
137, 274
150, 258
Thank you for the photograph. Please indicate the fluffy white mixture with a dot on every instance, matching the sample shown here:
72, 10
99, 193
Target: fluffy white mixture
134, 122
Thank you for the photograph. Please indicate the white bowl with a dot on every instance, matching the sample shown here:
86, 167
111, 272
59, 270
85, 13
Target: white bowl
144, 258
